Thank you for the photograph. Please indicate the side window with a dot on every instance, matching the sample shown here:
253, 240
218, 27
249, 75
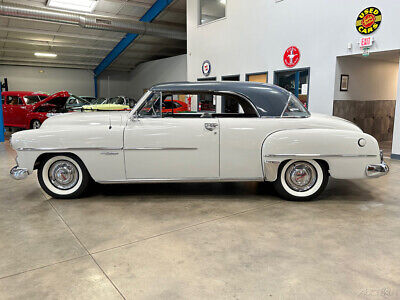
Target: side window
206, 105
13, 100
179, 105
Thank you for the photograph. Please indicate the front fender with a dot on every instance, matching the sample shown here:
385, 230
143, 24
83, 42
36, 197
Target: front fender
98, 146
339, 148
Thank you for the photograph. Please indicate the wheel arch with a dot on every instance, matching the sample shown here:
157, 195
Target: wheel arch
30, 123
45, 156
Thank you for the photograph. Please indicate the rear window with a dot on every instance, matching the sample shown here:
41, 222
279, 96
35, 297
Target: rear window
295, 108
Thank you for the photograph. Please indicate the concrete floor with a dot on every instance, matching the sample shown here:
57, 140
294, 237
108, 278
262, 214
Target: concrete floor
197, 241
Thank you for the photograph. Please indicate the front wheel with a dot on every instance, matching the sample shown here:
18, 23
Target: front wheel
63, 177
35, 124
301, 180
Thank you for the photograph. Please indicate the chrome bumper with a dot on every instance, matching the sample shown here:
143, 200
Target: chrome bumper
18, 173
377, 170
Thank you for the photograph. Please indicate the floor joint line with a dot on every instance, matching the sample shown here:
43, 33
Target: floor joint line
187, 227
87, 251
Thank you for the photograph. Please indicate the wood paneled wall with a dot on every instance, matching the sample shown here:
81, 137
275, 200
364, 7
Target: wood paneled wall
373, 117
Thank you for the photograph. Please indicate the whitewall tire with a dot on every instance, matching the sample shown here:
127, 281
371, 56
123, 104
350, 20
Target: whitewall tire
301, 180
63, 176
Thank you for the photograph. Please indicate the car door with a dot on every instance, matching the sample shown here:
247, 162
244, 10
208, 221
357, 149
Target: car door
15, 111
169, 148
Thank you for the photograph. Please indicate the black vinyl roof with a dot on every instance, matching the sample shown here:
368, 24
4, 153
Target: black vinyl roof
270, 100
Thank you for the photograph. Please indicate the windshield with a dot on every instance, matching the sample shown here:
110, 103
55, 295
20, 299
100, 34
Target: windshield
294, 108
32, 99
88, 98
151, 107
100, 101
116, 100
77, 100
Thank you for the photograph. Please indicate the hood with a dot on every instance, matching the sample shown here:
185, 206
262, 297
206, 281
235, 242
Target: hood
106, 107
86, 119
325, 121
58, 99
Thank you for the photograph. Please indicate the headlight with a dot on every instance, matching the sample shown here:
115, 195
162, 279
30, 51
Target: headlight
51, 115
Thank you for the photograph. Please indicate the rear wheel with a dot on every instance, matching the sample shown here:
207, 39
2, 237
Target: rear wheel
35, 124
63, 177
301, 180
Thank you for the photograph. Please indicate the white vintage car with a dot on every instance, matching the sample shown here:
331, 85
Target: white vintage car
231, 132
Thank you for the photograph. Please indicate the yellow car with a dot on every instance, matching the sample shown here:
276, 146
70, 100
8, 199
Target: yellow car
116, 103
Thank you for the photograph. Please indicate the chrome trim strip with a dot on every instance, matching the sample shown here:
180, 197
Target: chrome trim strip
286, 106
320, 155
67, 149
109, 153
161, 148
105, 149
183, 180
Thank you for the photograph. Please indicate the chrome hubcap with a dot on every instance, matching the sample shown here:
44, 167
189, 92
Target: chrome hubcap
63, 174
301, 176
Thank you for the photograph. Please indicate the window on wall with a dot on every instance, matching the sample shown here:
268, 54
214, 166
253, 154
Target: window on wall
211, 10
296, 82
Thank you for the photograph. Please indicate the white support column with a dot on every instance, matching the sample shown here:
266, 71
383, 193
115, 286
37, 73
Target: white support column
396, 130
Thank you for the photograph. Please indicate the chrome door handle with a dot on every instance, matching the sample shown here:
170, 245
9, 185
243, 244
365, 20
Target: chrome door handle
210, 126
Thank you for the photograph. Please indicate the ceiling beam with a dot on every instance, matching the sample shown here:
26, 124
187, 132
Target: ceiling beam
131, 54
61, 34
55, 61
83, 46
69, 66
53, 44
32, 64
58, 53
148, 17
136, 3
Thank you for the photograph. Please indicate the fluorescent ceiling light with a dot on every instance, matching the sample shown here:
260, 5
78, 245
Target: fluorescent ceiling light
77, 5
43, 54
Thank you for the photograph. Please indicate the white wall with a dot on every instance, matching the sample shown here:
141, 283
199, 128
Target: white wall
255, 34
396, 131
75, 81
369, 79
50, 80
113, 83
157, 71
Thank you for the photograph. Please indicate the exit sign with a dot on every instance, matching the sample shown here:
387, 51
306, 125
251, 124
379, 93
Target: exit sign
366, 42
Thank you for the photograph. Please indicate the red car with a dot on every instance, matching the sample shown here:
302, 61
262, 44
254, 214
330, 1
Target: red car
178, 106
29, 110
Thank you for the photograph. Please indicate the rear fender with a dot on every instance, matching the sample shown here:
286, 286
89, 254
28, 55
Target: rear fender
338, 148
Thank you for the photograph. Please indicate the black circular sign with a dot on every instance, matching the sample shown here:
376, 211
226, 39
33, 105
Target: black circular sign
368, 20
206, 68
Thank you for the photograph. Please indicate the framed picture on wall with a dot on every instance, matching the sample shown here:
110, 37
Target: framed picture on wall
344, 83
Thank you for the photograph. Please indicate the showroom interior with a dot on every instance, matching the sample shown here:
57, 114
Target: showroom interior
84, 72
